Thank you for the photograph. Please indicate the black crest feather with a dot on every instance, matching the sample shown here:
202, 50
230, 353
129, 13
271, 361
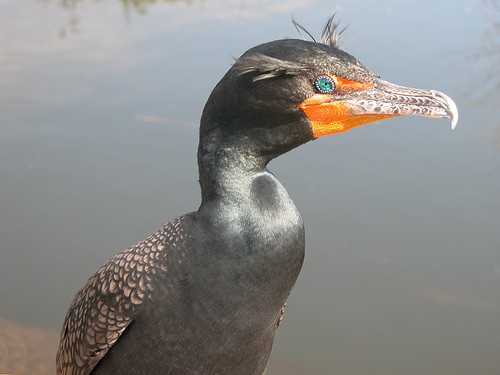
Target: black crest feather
264, 67
267, 67
330, 34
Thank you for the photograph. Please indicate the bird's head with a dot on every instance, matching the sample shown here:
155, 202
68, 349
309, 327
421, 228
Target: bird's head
281, 94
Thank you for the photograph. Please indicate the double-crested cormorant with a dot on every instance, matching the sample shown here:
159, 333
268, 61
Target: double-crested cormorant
205, 294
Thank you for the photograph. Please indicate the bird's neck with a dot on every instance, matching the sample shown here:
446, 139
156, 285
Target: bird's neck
252, 221
226, 176
239, 192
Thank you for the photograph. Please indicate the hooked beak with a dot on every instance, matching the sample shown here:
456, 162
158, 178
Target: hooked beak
361, 104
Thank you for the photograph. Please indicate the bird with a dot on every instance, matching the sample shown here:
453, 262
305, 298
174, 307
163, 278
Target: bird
206, 293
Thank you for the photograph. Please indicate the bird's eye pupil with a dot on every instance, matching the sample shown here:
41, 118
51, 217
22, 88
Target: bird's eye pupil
324, 84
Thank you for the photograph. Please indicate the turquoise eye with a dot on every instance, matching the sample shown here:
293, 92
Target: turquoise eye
324, 84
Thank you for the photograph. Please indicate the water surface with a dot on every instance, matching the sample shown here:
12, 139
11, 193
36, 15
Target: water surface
99, 109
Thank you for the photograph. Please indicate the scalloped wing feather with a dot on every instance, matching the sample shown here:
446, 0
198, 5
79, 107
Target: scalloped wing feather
105, 306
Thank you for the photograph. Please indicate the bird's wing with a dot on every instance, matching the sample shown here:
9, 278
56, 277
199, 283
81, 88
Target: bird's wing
108, 302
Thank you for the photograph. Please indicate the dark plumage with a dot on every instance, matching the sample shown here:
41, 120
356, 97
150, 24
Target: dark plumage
205, 294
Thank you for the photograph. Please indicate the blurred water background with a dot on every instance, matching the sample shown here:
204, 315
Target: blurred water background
99, 109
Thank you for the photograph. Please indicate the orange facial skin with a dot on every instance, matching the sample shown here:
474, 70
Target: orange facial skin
328, 116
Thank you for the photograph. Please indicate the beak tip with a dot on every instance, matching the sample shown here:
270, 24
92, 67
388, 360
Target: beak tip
453, 113
451, 107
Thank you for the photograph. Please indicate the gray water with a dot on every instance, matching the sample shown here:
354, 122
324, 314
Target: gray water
99, 109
